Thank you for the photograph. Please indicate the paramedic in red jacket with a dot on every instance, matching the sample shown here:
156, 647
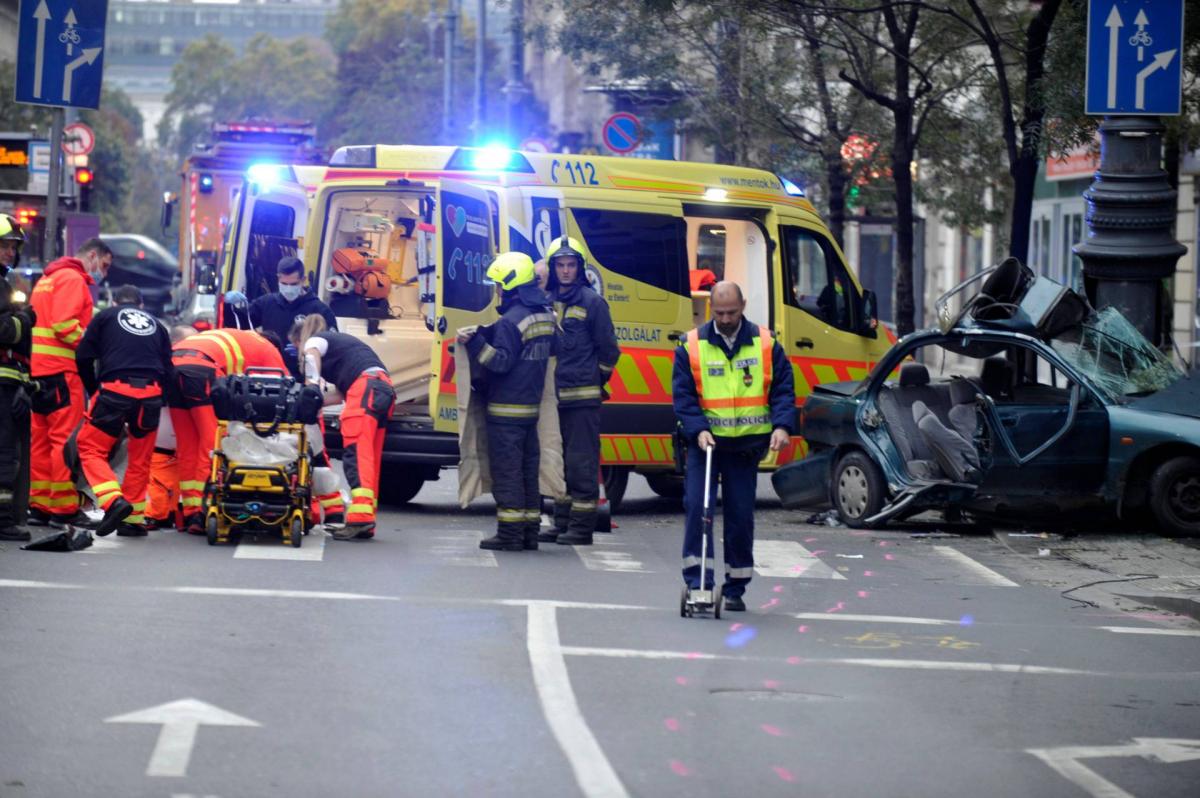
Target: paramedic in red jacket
62, 304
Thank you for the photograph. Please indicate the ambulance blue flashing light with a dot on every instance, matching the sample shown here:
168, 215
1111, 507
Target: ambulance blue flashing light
491, 158
790, 188
206, 183
266, 175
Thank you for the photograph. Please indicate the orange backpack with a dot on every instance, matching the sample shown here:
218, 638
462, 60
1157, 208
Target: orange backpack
368, 272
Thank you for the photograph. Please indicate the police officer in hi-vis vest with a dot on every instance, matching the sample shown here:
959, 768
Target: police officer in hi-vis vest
732, 389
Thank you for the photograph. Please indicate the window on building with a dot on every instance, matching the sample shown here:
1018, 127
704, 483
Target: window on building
166, 46
648, 247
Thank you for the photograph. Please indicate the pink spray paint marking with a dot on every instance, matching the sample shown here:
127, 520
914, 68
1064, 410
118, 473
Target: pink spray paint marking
769, 604
774, 731
681, 680
672, 724
818, 551
794, 660
863, 594
889, 556
735, 627
810, 540
841, 605
801, 629
694, 655
868, 573
784, 774
770, 684
883, 543
777, 589
680, 768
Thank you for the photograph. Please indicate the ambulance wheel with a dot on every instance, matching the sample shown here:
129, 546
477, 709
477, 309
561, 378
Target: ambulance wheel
296, 531
616, 480
683, 605
403, 482
211, 530
718, 603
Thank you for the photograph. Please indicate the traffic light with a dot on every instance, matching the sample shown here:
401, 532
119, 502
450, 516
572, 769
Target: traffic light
84, 175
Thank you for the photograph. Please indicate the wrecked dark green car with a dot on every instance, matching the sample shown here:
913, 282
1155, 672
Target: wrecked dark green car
1042, 409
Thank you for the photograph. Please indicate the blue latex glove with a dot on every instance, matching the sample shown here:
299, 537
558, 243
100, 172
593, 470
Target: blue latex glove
236, 299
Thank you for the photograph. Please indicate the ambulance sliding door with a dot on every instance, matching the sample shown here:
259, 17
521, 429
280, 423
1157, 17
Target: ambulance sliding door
268, 226
637, 260
464, 296
822, 322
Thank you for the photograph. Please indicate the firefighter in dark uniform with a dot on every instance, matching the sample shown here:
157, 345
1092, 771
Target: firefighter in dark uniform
732, 390
16, 325
134, 354
587, 355
515, 352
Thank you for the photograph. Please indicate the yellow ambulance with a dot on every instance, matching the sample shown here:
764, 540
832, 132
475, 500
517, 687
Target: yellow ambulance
432, 218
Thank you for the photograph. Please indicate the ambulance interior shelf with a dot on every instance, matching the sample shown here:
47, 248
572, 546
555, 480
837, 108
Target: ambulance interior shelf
377, 274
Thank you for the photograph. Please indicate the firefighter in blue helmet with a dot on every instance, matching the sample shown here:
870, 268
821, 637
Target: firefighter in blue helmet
733, 391
514, 353
587, 355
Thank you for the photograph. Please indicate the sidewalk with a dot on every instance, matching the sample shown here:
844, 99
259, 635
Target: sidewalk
1125, 569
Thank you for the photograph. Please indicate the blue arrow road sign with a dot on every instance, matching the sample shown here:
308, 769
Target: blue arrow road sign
60, 52
1134, 57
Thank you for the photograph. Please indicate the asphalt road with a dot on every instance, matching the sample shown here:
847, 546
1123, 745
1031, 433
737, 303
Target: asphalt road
868, 664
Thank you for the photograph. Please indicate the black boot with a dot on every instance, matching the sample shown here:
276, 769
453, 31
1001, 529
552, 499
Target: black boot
498, 542
131, 531
117, 512
359, 531
573, 538
550, 535
14, 533
532, 536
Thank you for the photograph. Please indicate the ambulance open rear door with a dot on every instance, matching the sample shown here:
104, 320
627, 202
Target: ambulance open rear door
269, 224
464, 248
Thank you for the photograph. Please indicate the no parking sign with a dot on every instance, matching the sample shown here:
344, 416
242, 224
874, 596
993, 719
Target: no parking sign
622, 133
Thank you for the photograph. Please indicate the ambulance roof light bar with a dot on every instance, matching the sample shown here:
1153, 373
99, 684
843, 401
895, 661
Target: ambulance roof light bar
492, 158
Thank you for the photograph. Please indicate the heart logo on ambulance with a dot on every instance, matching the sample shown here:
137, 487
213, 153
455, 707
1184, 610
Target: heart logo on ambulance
457, 217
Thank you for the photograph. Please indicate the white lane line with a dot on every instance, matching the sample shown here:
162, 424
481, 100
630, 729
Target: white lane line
987, 575
909, 664
38, 585
789, 560
593, 772
1138, 630
270, 547
462, 548
831, 616
260, 593
604, 555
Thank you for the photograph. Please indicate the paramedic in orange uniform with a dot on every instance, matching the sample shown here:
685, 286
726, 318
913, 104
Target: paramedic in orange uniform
134, 355
360, 376
199, 360
62, 304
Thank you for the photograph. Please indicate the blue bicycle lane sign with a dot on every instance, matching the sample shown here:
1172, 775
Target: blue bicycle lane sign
1134, 57
60, 47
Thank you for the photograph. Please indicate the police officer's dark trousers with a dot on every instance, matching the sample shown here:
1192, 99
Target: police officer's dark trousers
513, 457
738, 474
580, 427
14, 455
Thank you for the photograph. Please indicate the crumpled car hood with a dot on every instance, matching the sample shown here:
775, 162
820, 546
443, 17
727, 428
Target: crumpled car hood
1182, 398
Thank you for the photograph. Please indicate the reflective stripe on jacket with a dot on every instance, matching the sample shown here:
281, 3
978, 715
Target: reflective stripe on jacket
734, 392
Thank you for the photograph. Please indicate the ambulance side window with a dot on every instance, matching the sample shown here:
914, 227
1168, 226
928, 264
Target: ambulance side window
271, 239
648, 247
817, 283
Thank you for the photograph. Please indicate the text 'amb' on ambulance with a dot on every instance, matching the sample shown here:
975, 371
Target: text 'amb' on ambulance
397, 240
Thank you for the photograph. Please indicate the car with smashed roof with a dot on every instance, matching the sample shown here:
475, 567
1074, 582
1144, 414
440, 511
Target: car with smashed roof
1024, 405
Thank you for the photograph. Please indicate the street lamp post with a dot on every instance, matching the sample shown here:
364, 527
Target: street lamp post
515, 89
1130, 247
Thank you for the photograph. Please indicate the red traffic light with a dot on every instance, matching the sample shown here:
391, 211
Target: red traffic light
84, 176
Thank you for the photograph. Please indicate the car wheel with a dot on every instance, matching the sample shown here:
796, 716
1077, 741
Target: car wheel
1175, 497
616, 480
857, 490
669, 486
399, 484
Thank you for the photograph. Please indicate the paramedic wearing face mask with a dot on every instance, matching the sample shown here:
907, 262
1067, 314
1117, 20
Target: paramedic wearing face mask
279, 311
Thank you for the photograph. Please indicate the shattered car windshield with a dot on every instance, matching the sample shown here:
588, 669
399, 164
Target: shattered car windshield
1117, 358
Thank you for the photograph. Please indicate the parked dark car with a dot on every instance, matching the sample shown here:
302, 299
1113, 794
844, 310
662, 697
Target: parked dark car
142, 261
1070, 412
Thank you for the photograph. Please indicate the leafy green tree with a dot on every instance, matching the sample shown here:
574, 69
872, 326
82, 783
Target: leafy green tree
273, 79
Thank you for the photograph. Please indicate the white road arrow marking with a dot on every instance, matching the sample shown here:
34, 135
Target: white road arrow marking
70, 21
1142, 21
1065, 761
1161, 61
1114, 25
88, 56
179, 721
41, 15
